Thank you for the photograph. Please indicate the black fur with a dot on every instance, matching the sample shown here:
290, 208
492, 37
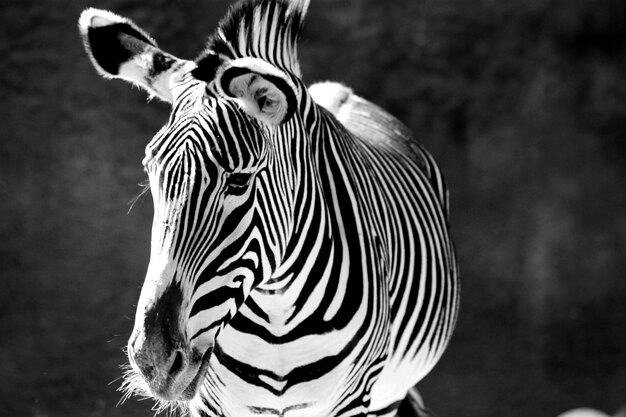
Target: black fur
163, 317
160, 63
207, 67
115, 44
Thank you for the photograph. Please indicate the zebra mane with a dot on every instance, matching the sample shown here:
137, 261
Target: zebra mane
266, 29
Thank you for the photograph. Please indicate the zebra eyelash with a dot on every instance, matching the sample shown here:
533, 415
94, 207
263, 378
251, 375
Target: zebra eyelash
237, 183
238, 179
145, 187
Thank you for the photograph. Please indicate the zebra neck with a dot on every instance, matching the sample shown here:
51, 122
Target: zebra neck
303, 265
322, 236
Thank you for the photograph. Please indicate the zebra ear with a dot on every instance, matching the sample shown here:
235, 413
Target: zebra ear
265, 92
118, 48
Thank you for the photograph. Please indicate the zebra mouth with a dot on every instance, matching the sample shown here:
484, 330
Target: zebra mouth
192, 389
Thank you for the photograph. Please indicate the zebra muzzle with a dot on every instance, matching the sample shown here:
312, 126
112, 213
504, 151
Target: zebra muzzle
170, 374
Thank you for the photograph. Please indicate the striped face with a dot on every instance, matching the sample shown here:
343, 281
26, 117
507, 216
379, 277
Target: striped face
204, 169
219, 179
208, 169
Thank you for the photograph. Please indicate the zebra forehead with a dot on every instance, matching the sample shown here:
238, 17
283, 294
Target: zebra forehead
212, 128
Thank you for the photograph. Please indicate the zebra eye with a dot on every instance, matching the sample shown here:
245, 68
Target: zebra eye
237, 183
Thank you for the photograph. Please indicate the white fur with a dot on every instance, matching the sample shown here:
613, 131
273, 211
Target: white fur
247, 88
330, 95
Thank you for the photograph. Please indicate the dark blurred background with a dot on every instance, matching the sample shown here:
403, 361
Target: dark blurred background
523, 103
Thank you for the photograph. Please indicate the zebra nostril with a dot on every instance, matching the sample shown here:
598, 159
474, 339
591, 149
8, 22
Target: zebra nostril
177, 365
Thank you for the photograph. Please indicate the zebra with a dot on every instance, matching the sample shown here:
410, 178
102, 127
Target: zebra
301, 262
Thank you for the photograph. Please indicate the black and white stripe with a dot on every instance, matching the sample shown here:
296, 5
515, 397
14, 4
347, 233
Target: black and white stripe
311, 251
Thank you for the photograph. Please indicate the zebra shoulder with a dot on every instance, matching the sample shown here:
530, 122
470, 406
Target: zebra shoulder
365, 119
374, 125
361, 117
330, 95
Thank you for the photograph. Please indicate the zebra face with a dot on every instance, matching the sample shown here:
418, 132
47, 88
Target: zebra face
206, 256
209, 169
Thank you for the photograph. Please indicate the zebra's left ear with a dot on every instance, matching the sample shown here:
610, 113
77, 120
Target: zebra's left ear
265, 92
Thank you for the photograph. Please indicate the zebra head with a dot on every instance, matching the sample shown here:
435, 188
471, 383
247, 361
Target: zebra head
214, 169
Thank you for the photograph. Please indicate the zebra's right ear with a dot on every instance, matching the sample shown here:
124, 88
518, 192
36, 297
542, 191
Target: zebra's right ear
118, 48
263, 90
